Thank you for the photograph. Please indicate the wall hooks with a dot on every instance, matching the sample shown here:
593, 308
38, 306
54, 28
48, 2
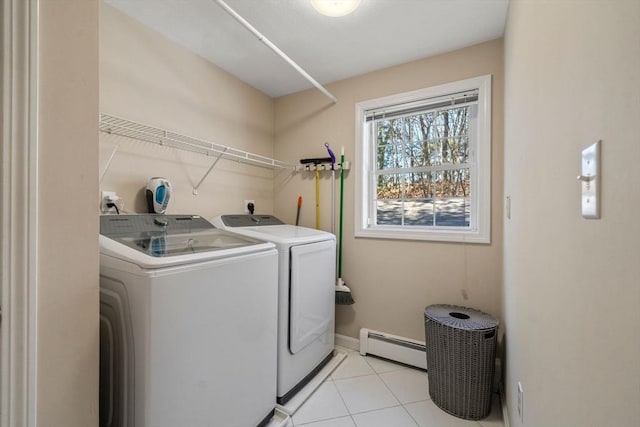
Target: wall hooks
310, 167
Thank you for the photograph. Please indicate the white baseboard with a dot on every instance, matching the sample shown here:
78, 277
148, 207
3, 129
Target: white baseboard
347, 342
393, 347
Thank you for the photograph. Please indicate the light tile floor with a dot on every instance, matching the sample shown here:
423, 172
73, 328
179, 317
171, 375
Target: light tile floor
369, 392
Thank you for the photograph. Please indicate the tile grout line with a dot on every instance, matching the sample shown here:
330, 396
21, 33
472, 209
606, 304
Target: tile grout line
398, 399
378, 374
394, 395
400, 404
343, 401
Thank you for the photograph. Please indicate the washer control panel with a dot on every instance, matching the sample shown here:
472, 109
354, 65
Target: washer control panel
249, 220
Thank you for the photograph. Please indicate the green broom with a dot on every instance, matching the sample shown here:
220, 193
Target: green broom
343, 293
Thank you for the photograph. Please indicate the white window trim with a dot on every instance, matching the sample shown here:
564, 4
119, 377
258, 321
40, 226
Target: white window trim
481, 232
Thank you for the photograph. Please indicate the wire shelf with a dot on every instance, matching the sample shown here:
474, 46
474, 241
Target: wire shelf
138, 131
118, 126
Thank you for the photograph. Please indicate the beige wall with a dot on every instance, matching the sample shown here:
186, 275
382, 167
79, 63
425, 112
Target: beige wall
392, 281
571, 285
67, 345
149, 79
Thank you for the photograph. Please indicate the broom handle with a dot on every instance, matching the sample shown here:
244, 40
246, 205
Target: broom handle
333, 201
341, 202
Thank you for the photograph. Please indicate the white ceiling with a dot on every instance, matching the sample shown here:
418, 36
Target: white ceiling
379, 34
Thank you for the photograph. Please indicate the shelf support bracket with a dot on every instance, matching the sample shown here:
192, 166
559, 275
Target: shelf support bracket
195, 189
106, 166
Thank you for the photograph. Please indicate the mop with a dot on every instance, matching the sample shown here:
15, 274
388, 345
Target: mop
343, 293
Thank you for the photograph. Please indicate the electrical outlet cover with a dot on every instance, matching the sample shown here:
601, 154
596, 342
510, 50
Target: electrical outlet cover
105, 197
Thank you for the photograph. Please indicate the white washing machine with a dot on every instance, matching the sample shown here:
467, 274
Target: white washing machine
306, 299
188, 324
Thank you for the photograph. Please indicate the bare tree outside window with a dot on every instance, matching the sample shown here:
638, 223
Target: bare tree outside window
422, 171
424, 164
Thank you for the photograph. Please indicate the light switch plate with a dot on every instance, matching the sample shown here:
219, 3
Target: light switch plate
590, 181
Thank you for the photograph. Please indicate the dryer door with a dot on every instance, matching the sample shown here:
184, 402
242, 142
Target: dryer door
312, 292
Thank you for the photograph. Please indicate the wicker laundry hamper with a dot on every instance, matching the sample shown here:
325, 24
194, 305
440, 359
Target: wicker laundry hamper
461, 347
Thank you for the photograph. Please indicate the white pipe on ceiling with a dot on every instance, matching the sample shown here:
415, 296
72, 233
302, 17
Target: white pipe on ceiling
275, 48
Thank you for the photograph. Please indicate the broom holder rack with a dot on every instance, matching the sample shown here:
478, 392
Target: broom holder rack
137, 131
322, 167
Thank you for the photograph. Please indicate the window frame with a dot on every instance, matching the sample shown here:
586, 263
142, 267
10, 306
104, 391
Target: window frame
479, 230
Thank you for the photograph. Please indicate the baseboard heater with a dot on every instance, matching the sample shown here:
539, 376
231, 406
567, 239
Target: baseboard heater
398, 349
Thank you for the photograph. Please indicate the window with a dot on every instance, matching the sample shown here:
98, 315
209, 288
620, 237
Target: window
425, 161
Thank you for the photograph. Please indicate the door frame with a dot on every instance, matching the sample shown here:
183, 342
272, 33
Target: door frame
18, 213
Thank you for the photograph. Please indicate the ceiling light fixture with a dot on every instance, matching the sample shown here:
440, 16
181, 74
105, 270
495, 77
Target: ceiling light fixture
335, 7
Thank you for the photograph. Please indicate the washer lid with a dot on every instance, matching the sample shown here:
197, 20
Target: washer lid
178, 237
166, 245
281, 234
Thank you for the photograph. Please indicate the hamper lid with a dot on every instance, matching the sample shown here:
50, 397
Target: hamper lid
460, 317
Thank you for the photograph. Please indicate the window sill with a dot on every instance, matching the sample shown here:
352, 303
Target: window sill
448, 235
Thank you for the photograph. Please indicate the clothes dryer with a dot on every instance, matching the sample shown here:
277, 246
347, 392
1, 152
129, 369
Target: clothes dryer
188, 324
306, 298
